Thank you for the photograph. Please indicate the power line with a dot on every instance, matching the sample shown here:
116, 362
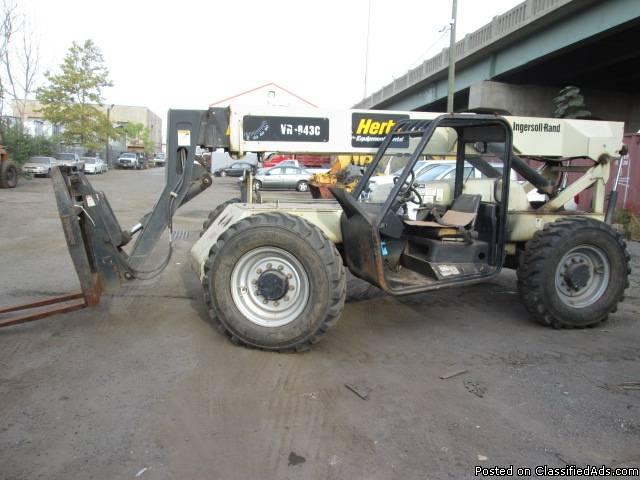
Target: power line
422, 56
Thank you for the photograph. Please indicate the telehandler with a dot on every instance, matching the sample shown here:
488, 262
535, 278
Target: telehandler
274, 274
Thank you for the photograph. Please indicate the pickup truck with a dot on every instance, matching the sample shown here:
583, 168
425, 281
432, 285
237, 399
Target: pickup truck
129, 160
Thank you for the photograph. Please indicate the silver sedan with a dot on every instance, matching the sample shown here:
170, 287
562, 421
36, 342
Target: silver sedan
283, 178
39, 166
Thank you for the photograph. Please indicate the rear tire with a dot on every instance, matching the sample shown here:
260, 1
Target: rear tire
214, 214
262, 263
8, 174
257, 185
573, 273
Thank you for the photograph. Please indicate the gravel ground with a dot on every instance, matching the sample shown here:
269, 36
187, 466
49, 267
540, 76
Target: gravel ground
142, 386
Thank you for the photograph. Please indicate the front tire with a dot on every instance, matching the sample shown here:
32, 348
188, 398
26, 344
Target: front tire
302, 186
275, 282
257, 185
573, 273
223, 173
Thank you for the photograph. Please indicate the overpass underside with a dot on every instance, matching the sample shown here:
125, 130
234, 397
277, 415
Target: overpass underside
595, 48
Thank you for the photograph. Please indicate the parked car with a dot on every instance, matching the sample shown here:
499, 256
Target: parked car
159, 159
69, 160
283, 178
236, 169
39, 166
305, 161
421, 166
128, 160
94, 165
446, 171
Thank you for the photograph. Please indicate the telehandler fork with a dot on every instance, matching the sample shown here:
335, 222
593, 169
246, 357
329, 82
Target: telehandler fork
96, 240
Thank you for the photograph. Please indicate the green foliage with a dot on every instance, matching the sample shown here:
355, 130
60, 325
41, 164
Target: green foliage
630, 223
20, 145
139, 134
570, 104
133, 130
149, 145
71, 97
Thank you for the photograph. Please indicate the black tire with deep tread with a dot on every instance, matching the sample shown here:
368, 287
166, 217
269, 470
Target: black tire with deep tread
536, 272
310, 246
214, 214
8, 174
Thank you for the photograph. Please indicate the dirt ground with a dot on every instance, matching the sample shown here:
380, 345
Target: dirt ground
144, 387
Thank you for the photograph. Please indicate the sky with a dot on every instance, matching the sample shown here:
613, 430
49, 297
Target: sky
188, 54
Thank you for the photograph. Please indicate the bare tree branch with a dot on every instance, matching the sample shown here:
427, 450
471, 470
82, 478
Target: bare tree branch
18, 61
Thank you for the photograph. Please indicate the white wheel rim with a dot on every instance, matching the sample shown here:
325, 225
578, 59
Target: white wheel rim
594, 262
245, 278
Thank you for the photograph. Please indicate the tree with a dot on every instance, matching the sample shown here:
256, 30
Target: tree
570, 104
21, 145
149, 144
18, 69
73, 96
139, 134
19, 58
133, 131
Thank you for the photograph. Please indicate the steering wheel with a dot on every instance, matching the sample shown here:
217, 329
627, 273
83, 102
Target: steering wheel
408, 183
407, 192
415, 196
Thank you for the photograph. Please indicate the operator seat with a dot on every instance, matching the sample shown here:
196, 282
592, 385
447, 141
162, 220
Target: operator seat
458, 221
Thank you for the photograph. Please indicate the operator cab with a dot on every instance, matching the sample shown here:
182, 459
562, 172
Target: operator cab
445, 225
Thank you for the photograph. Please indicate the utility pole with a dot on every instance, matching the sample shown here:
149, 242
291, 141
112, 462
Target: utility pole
452, 57
366, 55
106, 160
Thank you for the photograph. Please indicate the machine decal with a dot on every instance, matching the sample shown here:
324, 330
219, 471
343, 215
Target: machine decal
448, 270
369, 129
536, 127
184, 138
258, 128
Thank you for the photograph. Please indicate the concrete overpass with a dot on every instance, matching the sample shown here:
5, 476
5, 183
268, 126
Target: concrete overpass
520, 60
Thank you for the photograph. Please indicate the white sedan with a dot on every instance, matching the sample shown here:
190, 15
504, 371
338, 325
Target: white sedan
94, 165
